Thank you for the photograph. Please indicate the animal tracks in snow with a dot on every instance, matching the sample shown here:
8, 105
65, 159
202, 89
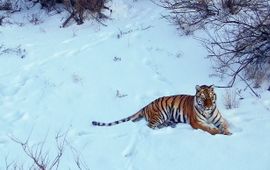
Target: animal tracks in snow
156, 64
131, 146
9, 96
3, 140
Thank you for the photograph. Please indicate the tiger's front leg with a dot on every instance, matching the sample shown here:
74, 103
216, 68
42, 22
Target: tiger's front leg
155, 125
205, 127
224, 127
154, 122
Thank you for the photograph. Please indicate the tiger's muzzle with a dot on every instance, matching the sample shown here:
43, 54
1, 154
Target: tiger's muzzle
208, 104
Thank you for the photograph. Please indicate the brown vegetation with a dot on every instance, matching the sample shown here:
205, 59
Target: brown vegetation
78, 10
239, 34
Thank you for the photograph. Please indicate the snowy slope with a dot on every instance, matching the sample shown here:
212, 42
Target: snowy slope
71, 76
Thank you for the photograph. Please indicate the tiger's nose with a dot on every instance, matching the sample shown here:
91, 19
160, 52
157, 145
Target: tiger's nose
208, 104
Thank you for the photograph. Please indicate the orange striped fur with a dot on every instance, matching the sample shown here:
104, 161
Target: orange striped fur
198, 110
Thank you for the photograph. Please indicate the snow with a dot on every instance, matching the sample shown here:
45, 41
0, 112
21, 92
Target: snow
72, 76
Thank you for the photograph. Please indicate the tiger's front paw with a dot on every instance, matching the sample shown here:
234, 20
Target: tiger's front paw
226, 132
214, 131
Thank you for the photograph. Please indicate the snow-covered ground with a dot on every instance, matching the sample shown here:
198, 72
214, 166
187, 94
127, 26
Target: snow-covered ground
57, 80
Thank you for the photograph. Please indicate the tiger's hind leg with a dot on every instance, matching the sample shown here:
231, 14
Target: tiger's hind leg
172, 124
155, 124
162, 125
151, 126
169, 123
166, 124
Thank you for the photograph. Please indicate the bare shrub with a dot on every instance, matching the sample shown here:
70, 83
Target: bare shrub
2, 19
233, 6
13, 6
117, 59
18, 51
257, 75
5, 5
78, 159
239, 36
42, 159
49, 4
230, 99
78, 9
35, 19
120, 95
191, 15
242, 47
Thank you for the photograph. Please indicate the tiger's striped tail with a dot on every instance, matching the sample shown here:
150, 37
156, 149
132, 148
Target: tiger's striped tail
136, 117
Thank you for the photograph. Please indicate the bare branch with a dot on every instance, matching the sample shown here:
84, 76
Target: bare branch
40, 157
239, 40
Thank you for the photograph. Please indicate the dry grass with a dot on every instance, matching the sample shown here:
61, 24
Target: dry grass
230, 99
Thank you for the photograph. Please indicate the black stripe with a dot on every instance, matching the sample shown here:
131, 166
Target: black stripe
160, 108
184, 117
179, 115
218, 119
154, 107
145, 113
172, 113
212, 114
183, 114
185, 100
172, 109
213, 111
197, 109
164, 109
218, 126
168, 112
215, 97
157, 108
179, 109
173, 101
198, 116
215, 117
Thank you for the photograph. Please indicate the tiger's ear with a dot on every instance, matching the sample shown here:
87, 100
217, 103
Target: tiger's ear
198, 88
212, 87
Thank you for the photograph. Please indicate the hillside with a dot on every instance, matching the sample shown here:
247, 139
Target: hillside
57, 80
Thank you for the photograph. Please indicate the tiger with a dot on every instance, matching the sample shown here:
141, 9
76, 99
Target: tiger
199, 110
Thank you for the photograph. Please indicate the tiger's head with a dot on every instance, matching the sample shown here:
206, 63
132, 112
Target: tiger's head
205, 98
